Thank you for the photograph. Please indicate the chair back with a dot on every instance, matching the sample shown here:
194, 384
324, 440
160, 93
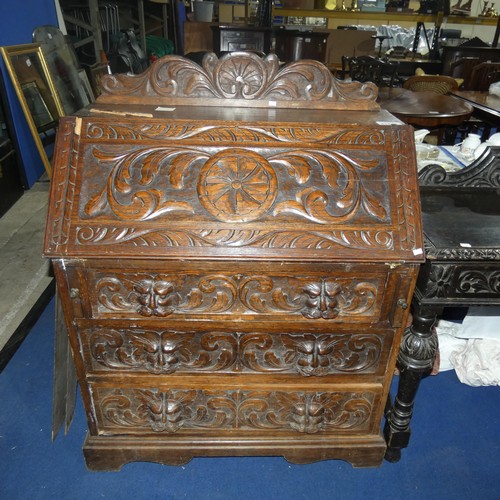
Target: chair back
370, 69
439, 84
483, 75
462, 67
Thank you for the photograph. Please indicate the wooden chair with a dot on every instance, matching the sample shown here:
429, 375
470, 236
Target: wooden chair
439, 84
371, 69
462, 68
483, 75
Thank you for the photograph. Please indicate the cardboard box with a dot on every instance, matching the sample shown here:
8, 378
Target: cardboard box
225, 13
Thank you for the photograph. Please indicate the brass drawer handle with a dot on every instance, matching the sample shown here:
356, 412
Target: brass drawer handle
403, 304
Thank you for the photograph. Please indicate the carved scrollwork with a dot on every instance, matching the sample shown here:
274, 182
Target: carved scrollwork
236, 185
482, 173
449, 280
240, 77
104, 131
310, 354
460, 253
174, 410
163, 295
342, 197
314, 299
326, 299
164, 352
479, 282
130, 192
322, 240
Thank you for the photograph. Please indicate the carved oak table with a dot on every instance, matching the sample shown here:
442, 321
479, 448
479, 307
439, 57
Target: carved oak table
461, 220
235, 246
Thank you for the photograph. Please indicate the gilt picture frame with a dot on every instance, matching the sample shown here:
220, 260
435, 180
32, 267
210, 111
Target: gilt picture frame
36, 92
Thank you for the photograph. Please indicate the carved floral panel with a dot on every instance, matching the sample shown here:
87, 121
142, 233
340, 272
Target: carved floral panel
166, 352
174, 410
239, 79
231, 185
451, 280
161, 295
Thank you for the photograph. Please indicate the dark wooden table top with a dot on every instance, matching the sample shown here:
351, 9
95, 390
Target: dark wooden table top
465, 216
424, 109
482, 101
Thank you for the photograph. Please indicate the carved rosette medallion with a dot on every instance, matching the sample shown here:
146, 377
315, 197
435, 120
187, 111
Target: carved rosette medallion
237, 185
440, 283
163, 352
175, 410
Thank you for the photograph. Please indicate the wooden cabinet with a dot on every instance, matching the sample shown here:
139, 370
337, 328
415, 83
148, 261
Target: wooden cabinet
235, 247
234, 38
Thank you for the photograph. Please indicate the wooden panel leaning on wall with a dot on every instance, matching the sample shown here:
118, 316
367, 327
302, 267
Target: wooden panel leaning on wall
234, 255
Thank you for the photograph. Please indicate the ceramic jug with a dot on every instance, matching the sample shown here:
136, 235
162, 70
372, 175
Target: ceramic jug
470, 144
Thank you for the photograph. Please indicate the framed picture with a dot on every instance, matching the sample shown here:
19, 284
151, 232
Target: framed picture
63, 67
89, 93
38, 107
36, 92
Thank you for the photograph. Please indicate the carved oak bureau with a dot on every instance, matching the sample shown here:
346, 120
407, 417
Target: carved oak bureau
235, 246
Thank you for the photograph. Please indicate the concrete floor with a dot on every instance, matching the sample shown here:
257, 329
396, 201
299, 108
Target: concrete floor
24, 272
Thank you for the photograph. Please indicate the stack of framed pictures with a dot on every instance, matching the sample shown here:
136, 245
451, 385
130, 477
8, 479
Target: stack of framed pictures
36, 92
49, 84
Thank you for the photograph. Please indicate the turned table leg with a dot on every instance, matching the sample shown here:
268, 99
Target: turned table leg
416, 358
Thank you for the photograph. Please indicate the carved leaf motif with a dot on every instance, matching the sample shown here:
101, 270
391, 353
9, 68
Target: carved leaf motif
176, 409
214, 293
372, 205
103, 131
180, 164
296, 164
123, 193
241, 76
160, 352
362, 298
349, 192
310, 354
162, 295
372, 240
333, 165
481, 281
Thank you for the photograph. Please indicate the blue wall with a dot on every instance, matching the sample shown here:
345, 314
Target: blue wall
18, 18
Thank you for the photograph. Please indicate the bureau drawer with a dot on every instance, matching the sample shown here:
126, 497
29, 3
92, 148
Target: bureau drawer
261, 412
109, 349
299, 295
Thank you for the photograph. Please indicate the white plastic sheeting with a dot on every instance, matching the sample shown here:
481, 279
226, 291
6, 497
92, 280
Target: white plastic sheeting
472, 348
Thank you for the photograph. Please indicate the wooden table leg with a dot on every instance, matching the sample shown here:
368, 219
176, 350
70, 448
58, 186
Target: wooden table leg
416, 359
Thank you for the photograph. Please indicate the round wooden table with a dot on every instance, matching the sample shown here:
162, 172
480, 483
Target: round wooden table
425, 109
